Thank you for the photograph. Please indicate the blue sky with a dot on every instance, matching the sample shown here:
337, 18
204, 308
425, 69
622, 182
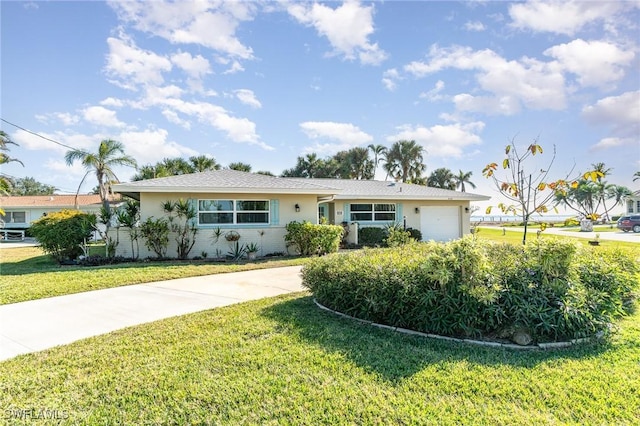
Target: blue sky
265, 82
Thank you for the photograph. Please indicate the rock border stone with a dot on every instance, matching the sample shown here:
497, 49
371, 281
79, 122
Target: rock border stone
535, 347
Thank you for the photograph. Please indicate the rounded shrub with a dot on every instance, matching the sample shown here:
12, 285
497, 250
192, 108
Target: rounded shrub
553, 289
62, 234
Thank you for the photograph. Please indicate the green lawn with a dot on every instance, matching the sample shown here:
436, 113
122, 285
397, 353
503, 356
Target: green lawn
27, 274
284, 361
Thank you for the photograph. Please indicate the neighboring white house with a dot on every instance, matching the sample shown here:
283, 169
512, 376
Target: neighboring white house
259, 207
632, 203
20, 212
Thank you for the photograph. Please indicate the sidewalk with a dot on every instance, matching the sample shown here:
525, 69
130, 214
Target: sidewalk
41, 324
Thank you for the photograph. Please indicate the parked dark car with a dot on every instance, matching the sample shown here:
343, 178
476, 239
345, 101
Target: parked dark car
629, 223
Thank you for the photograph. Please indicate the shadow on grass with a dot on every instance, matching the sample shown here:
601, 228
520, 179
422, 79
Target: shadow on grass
395, 356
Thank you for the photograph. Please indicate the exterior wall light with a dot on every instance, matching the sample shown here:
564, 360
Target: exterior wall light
417, 210
297, 206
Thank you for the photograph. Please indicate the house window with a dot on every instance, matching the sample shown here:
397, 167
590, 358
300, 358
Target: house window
638, 206
14, 217
629, 206
220, 212
373, 212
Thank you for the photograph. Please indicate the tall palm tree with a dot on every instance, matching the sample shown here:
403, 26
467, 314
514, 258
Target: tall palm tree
404, 161
442, 178
310, 165
355, 163
110, 154
6, 183
602, 170
378, 154
463, 178
202, 163
636, 176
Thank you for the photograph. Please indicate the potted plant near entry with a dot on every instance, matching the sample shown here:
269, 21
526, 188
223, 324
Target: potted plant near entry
251, 249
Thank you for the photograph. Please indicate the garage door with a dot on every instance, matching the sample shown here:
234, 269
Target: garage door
440, 223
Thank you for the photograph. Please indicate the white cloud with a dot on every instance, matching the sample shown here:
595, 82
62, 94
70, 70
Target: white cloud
247, 97
347, 28
509, 84
474, 26
208, 24
129, 66
101, 116
562, 16
346, 135
65, 118
235, 67
151, 146
390, 78
112, 102
442, 140
621, 114
596, 63
195, 66
434, 94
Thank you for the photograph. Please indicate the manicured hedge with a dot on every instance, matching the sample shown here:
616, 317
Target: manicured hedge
62, 234
554, 289
311, 239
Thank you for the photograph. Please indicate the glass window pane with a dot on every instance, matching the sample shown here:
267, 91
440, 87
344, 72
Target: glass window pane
253, 217
215, 205
361, 207
216, 218
252, 205
19, 217
361, 216
385, 216
385, 207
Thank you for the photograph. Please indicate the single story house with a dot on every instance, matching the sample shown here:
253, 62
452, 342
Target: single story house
632, 203
21, 211
258, 207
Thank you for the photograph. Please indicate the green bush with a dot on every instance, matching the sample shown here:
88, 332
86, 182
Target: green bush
553, 289
371, 236
572, 221
397, 236
310, 239
63, 234
156, 235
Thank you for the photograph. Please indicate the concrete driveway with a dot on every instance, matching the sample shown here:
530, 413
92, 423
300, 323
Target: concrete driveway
41, 324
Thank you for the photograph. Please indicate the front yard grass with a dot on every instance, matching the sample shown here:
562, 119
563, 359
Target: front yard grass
284, 361
27, 274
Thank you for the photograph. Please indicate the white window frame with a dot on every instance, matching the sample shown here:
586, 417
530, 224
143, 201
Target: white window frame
235, 211
10, 216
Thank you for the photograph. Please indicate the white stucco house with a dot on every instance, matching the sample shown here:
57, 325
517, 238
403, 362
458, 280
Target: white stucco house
632, 203
259, 207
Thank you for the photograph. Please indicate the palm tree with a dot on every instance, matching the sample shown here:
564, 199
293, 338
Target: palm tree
378, 154
442, 178
463, 178
310, 165
404, 161
354, 164
202, 163
6, 184
636, 176
602, 170
241, 167
110, 154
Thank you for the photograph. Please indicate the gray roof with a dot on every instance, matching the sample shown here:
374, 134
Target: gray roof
224, 181
232, 181
374, 189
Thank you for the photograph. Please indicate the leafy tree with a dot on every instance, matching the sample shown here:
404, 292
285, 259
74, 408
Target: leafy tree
588, 198
239, 166
404, 161
6, 183
202, 163
110, 154
379, 151
353, 164
530, 193
307, 167
442, 178
30, 186
461, 178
